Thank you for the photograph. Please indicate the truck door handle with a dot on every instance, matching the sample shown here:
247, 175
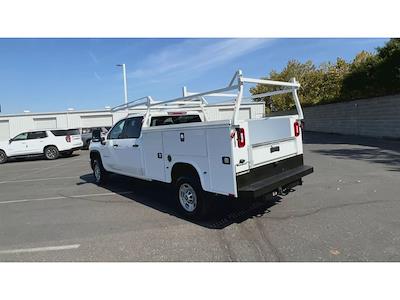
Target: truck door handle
115, 145
135, 145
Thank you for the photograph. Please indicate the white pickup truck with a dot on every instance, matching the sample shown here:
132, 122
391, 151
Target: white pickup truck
177, 145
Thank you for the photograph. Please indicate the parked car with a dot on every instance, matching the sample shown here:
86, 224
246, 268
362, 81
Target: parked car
87, 134
49, 143
236, 158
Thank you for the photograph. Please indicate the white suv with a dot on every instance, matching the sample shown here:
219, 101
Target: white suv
50, 143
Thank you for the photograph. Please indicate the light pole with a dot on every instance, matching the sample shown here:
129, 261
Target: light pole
125, 85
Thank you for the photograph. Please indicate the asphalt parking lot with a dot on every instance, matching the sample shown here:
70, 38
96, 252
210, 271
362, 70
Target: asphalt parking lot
347, 210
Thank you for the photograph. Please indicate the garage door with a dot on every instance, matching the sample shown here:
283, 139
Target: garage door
226, 114
45, 123
96, 121
4, 130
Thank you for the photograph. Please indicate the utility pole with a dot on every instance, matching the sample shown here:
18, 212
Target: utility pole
125, 84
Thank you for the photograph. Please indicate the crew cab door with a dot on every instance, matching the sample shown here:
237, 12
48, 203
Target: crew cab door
129, 150
18, 145
109, 150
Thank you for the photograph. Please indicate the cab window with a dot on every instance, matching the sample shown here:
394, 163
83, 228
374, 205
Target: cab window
116, 132
133, 127
21, 137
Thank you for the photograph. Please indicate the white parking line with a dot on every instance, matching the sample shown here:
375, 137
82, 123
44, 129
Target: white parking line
41, 249
66, 197
37, 179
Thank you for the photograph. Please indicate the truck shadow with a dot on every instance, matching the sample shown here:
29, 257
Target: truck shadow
373, 150
159, 196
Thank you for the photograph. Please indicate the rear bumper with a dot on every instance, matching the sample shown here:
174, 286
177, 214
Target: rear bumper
266, 179
76, 148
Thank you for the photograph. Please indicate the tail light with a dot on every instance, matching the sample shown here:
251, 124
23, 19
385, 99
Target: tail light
296, 129
68, 138
241, 139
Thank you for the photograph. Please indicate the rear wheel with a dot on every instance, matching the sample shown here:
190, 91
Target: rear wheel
51, 152
3, 157
192, 200
100, 174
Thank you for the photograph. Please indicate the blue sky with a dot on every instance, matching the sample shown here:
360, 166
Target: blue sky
55, 74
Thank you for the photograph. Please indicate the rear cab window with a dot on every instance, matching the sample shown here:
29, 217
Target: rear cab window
171, 120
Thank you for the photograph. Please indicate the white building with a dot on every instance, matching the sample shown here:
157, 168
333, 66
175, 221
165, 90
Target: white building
13, 124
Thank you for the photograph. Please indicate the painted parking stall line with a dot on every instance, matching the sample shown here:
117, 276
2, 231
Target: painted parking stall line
66, 197
40, 249
38, 179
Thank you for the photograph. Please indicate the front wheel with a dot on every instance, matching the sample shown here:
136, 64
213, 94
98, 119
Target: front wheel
100, 174
193, 202
51, 152
3, 157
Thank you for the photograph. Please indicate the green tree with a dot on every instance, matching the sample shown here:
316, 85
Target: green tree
322, 84
368, 75
374, 74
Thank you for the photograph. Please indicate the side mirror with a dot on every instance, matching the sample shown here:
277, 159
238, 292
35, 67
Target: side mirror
10, 141
103, 140
96, 135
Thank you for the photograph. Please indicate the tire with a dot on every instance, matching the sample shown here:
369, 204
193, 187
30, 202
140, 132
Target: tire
192, 200
51, 152
3, 157
100, 174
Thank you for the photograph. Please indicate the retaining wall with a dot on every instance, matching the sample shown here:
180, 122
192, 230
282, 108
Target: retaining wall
376, 117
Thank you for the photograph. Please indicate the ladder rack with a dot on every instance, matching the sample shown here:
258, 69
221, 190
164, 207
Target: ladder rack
198, 99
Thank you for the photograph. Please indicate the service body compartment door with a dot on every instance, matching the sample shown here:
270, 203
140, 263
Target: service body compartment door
221, 161
206, 148
153, 156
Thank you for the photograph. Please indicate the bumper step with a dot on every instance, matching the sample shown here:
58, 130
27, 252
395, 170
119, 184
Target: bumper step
272, 183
